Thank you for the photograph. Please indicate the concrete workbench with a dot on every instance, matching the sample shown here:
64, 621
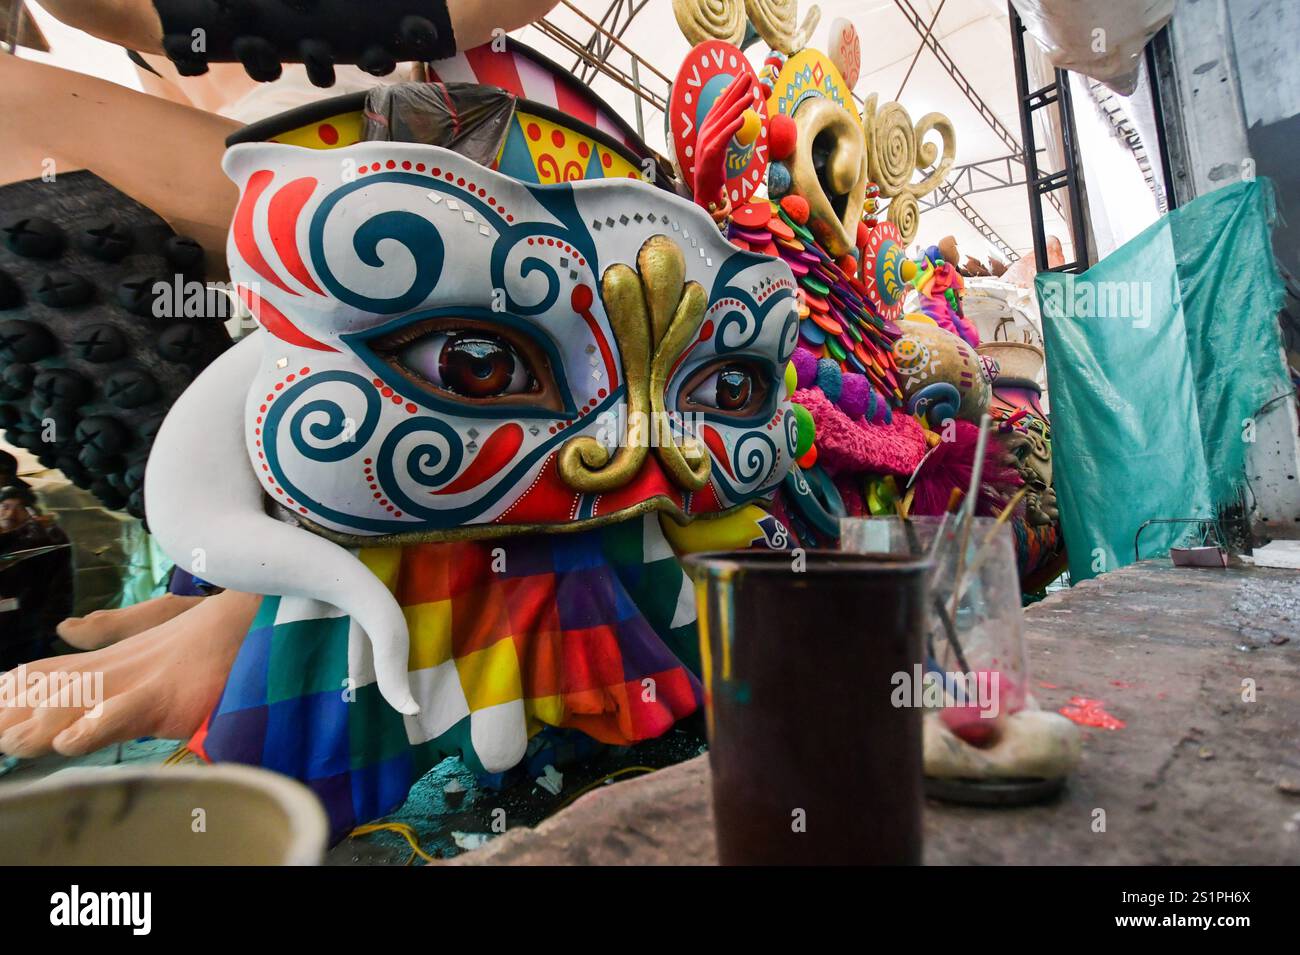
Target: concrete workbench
1197, 775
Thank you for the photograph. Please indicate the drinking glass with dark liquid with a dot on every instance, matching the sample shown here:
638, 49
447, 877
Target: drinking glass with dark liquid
812, 763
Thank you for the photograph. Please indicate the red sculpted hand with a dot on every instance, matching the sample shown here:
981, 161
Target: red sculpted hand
724, 119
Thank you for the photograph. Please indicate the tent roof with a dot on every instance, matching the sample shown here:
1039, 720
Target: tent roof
975, 33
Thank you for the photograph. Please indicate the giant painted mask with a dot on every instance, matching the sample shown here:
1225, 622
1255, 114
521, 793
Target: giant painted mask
455, 352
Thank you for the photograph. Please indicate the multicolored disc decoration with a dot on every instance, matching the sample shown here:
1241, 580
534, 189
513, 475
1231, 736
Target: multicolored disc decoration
835, 318
882, 262
705, 73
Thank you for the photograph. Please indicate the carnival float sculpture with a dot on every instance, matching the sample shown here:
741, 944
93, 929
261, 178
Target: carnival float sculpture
504, 378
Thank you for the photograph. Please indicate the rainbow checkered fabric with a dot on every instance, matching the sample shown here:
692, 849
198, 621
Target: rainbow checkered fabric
593, 631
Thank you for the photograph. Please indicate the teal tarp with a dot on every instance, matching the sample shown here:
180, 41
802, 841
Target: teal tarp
1157, 359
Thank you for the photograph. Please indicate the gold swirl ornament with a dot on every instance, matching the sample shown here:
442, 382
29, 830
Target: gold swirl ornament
655, 315
835, 196
775, 20
701, 20
897, 149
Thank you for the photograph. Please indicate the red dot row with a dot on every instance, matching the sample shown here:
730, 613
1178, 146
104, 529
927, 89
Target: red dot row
437, 173
559, 244
257, 433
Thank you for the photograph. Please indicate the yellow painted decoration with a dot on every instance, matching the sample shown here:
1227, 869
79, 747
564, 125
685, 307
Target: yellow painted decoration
735, 531
334, 132
561, 155
793, 85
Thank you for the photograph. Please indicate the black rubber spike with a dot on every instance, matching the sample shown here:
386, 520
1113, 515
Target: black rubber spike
87, 369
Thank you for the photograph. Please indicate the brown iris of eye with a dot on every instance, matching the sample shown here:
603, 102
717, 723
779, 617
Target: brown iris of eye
476, 366
736, 388
472, 362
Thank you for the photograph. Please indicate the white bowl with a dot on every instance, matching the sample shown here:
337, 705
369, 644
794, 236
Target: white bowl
162, 815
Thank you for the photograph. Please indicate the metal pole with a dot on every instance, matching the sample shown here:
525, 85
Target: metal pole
920, 49
636, 81
14, 27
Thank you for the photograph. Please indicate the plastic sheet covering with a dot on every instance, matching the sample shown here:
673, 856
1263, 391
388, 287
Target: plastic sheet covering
466, 117
1158, 358
1103, 39
106, 545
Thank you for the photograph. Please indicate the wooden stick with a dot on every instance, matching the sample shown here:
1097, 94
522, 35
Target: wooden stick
968, 509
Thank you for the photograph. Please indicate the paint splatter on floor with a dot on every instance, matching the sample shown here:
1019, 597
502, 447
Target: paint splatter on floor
1088, 712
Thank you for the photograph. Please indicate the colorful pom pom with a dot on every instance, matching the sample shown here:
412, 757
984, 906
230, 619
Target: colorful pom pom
782, 134
778, 179
855, 394
809, 459
805, 432
805, 366
830, 378
796, 207
864, 234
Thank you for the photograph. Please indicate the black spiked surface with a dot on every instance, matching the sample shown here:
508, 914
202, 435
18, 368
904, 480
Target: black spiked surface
90, 360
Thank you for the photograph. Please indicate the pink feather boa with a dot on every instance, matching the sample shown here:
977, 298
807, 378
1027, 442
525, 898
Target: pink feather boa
847, 446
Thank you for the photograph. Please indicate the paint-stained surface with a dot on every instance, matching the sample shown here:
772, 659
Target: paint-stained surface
1197, 775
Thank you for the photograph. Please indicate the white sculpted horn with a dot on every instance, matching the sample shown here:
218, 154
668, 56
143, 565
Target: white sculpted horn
204, 505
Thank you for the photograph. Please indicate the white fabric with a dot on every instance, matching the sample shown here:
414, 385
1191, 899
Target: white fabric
1103, 39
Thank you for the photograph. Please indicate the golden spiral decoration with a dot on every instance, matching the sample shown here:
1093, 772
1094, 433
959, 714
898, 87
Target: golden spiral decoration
928, 153
892, 151
776, 22
701, 20
906, 214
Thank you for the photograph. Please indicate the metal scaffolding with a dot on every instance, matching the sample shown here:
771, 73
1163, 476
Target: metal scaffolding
612, 25
592, 56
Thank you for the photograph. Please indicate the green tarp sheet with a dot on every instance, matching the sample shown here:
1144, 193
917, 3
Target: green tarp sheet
1158, 357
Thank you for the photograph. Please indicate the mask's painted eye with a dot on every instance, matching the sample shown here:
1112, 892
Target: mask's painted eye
733, 388
472, 364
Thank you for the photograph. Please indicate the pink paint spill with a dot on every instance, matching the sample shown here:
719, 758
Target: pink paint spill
1088, 712
1121, 684
1048, 686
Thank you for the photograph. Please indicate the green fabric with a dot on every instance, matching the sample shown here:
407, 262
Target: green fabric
145, 573
1156, 358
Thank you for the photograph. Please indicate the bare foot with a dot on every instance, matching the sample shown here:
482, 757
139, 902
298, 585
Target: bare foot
162, 682
106, 627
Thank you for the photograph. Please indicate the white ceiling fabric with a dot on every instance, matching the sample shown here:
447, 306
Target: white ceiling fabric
975, 33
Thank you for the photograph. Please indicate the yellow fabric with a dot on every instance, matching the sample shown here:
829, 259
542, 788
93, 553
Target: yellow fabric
430, 627
736, 531
491, 675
